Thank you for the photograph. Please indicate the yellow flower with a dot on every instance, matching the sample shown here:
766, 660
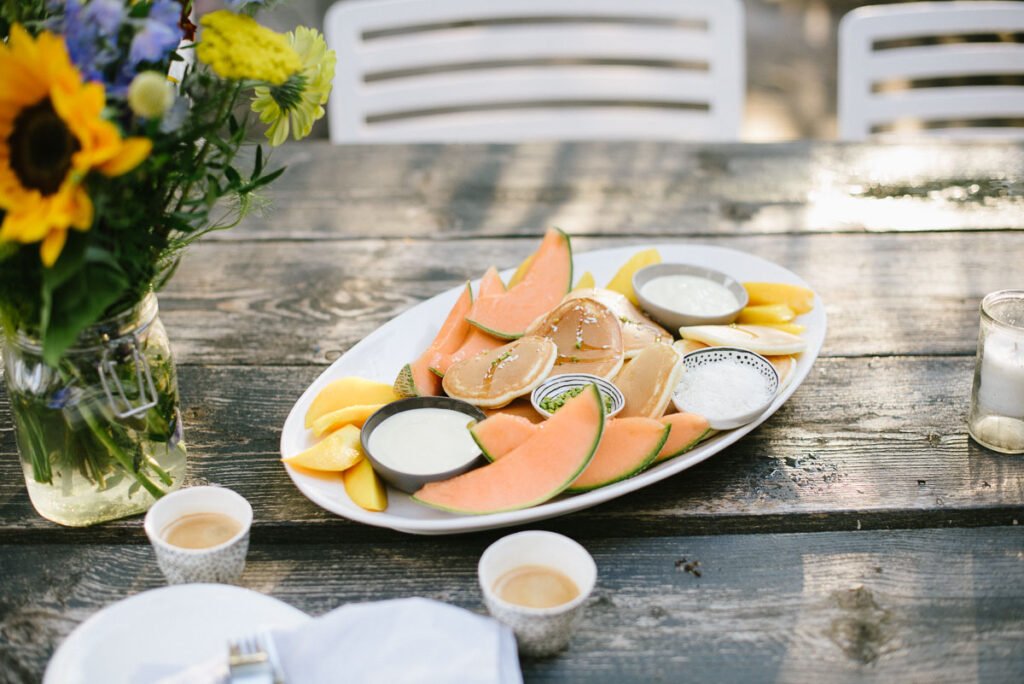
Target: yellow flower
52, 135
237, 48
301, 99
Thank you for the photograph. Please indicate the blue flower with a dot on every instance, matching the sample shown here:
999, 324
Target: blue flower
90, 31
160, 34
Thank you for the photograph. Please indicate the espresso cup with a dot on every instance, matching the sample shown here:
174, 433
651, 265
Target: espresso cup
221, 563
539, 631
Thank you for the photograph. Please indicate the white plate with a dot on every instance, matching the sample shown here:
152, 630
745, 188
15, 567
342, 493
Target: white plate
381, 354
160, 632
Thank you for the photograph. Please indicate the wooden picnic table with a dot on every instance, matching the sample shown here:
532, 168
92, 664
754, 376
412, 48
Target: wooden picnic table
858, 535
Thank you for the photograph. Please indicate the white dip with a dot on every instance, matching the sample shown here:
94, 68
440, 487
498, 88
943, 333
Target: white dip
691, 294
720, 391
424, 441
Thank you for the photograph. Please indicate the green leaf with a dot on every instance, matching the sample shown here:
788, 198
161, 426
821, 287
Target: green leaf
257, 167
77, 296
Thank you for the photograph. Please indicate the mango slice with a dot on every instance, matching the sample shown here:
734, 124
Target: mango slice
791, 328
338, 452
623, 280
345, 392
766, 314
351, 415
364, 487
521, 271
799, 299
585, 282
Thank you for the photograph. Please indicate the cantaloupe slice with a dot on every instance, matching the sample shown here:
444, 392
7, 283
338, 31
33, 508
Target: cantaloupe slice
338, 452
623, 280
628, 446
416, 379
364, 486
500, 434
493, 378
350, 415
688, 429
476, 340
536, 471
799, 299
350, 391
588, 336
546, 281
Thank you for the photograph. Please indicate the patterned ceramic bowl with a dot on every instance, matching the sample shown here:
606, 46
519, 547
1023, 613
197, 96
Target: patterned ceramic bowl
712, 356
539, 631
221, 563
557, 384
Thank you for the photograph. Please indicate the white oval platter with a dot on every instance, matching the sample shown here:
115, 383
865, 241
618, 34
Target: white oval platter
381, 354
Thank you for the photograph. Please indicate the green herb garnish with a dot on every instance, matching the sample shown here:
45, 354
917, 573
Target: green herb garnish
552, 404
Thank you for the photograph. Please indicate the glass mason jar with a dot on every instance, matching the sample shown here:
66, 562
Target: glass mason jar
100, 435
996, 420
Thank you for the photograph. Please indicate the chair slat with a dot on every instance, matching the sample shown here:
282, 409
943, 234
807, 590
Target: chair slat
968, 102
626, 84
459, 46
933, 61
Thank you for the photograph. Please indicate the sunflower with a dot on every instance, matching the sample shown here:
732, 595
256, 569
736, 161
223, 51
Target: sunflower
52, 135
301, 98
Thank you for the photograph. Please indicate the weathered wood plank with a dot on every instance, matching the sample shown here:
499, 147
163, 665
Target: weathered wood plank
659, 188
933, 605
297, 303
842, 453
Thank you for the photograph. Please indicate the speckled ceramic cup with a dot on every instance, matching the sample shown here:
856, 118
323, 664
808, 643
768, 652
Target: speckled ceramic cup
539, 631
221, 563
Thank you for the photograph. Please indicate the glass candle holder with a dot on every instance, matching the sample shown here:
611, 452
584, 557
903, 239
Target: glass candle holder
997, 400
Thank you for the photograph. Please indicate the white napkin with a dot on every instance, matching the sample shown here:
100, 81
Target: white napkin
404, 640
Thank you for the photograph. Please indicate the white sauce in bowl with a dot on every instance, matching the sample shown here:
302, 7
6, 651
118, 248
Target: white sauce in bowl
691, 294
424, 441
722, 391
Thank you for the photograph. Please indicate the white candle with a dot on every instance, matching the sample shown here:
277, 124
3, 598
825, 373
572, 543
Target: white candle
1002, 375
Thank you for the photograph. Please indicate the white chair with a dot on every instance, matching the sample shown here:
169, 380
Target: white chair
514, 70
870, 55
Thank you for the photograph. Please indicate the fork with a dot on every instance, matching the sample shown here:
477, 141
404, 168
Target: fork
249, 661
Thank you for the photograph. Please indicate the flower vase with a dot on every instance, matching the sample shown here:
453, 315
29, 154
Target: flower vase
99, 435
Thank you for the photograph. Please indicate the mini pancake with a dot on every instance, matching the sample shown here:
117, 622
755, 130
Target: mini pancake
638, 331
495, 377
785, 365
648, 381
588, 336
756, 338
687, 346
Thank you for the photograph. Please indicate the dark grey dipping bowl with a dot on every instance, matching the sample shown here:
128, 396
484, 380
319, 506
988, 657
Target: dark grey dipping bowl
410, 482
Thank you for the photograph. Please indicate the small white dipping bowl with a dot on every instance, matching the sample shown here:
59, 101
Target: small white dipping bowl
221, 563
559, 384
539, 631
673, 318
723, 355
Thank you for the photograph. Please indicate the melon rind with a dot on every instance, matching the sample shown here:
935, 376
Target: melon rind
686, 447
592, 394
640, 466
